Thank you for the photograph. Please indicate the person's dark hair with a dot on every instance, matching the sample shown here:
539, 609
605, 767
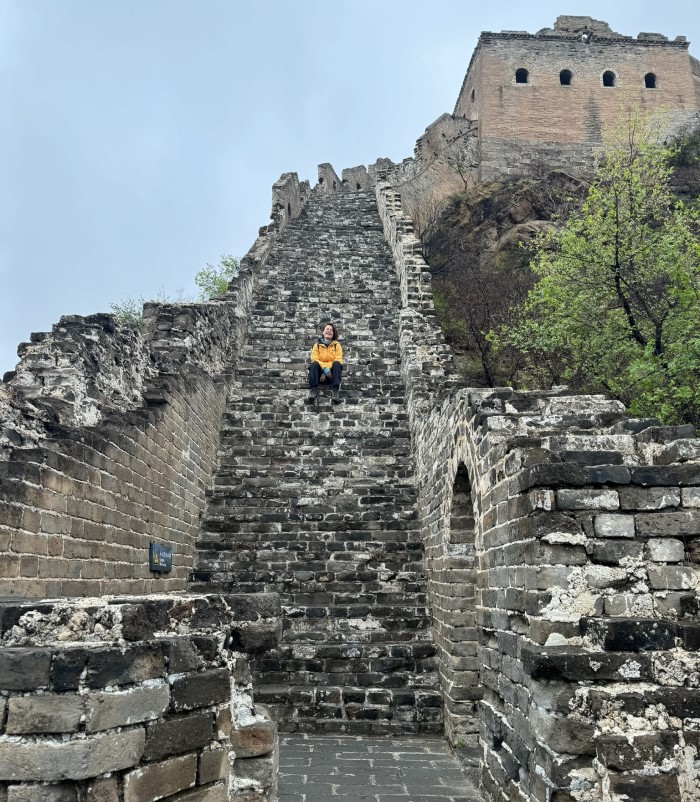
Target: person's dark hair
328, 323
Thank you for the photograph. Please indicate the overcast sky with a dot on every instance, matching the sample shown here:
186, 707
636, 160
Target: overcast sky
139, 139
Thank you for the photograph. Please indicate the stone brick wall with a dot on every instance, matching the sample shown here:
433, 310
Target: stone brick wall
114, 701
562, 547
550, 123
79, 511
109, 436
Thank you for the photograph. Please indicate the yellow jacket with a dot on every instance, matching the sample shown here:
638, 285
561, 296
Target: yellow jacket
326, 355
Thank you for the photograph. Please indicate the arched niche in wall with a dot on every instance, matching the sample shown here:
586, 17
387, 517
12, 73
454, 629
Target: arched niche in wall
459, 668
521, 76
565, 77
609, 78
462, 528
650, 81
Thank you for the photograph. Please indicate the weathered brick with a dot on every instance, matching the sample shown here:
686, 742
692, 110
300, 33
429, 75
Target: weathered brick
103, 790
621, 753
44, 714
254, 739
64, 792
52, 761
114, 666
666, 550
215, 793
158, 780
24, 669
651, 498
179, 734
200, 690
610, 525
213, 766
588, 499
670, 577
120, 708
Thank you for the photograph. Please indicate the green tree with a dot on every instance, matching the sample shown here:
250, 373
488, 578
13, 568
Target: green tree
213, 280
616, 305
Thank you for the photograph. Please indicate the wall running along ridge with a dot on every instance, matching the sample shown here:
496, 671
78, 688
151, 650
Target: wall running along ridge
563, 553
108, 437
562, 544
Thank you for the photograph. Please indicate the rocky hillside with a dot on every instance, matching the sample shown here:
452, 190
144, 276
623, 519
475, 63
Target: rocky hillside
477, 252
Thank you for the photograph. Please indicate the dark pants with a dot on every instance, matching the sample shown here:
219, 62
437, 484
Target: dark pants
315, 374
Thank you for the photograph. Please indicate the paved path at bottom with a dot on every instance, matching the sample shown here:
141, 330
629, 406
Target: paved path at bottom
359, 768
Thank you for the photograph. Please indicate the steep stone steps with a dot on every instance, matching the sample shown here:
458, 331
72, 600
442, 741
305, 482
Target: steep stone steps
317, 502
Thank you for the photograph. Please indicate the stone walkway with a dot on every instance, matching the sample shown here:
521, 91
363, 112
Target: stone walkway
358, 768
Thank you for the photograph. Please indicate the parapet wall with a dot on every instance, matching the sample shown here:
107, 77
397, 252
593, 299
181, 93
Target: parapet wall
107, 700
109, 436
563, 553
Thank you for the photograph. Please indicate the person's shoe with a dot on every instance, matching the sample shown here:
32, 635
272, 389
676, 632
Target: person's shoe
335, 396
313, 395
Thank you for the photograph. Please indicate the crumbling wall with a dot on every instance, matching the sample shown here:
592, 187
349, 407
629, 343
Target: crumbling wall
445, 161
107, 700
288, 199
566, 621
109, 435
328, 180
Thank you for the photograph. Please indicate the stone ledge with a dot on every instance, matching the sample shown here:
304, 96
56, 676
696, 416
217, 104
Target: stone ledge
574, 664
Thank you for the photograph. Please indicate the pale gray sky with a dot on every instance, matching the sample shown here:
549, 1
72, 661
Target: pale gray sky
139, 139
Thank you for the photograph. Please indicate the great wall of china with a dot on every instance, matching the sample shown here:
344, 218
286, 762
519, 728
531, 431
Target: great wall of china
517, 570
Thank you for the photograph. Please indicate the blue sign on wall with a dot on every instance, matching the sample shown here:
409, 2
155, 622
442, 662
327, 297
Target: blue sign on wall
160, 558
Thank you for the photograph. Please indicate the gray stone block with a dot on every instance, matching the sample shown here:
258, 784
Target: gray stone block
43, 793
213, 766
587, 499
255, 739
24, 669
104, 790
215, 793
120, 708
609, 525
666, 550
670, 577
690, 496
180, 734
51, 761
158, 780
668, 524
262, 770
44, 714
650, 498
200, 690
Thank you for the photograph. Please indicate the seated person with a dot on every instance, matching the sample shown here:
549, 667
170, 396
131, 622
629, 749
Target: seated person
326, 363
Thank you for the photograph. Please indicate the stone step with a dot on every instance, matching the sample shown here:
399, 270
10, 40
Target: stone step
318, 502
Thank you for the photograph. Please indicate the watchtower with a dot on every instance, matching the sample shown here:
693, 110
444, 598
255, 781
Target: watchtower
547, 98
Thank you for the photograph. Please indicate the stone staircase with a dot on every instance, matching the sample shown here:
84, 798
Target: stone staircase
318, 502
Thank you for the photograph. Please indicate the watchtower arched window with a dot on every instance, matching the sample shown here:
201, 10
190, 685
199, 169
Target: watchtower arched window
650, 80
565, 77
521, 76
473, 95
608, 78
